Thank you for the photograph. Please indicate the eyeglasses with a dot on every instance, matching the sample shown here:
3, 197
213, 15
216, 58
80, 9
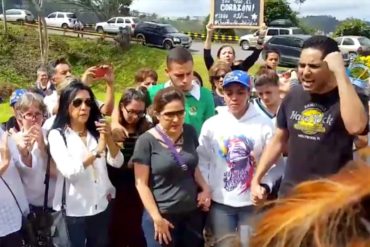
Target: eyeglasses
78, 102
32, 116
139, 114
172, 115
218, 77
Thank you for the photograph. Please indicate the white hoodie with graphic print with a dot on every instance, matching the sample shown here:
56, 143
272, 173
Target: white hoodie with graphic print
228, 150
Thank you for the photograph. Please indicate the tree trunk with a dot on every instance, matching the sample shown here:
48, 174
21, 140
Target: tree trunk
4, 14
46, 39
41, 39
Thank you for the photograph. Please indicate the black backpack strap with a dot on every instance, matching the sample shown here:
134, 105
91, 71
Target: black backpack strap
11, 192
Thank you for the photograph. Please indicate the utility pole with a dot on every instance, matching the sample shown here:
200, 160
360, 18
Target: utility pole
4, 19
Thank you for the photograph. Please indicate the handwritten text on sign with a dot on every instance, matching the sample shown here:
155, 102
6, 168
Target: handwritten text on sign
237, 12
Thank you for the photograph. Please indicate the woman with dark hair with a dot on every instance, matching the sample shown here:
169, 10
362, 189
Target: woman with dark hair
216, 77
78, 142
127, 208
167, 176
226, 53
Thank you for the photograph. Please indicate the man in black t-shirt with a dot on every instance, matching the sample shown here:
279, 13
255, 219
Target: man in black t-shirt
317, 120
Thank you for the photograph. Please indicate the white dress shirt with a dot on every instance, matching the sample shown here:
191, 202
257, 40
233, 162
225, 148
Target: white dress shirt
51, 101
10, 216
87, 188
33, 178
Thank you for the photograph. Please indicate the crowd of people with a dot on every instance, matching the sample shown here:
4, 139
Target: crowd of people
175, 164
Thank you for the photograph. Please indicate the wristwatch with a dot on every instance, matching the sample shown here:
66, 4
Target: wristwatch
95, 154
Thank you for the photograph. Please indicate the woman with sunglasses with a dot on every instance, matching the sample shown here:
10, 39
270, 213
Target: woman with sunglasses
216, 78
167, 176
81, 145
127, 208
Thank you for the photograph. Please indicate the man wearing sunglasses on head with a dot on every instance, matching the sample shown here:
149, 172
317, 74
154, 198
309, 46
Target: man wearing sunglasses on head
199, 104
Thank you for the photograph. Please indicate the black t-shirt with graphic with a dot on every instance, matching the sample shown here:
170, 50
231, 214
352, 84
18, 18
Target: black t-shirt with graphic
319, 144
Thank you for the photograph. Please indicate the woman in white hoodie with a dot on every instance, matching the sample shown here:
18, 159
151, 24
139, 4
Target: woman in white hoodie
229, 145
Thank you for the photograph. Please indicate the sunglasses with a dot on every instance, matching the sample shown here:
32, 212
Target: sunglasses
218, 77
173, 114
139, 114
78, 102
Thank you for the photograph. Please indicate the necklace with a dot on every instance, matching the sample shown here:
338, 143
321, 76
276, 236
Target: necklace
82, 133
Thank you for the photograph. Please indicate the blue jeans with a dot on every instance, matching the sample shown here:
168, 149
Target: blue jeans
89, 231
188, 229
227, 224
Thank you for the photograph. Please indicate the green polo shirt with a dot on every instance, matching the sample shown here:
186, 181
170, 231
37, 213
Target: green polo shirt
197, 110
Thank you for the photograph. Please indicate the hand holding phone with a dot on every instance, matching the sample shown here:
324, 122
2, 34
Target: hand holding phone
101, 71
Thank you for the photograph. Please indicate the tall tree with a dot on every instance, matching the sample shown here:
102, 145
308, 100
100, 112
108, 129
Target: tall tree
104, 9
4, 19
280, 9
43, 32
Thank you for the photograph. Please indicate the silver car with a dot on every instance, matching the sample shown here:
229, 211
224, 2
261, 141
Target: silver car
18, 15
354, 45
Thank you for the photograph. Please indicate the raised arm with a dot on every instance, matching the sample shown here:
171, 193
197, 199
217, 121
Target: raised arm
352, 110
208, 59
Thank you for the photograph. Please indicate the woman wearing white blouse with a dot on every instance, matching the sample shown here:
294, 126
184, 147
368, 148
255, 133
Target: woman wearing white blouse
10, 215
78, 141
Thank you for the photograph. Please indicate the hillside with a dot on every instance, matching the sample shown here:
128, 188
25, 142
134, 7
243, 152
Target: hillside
321, 22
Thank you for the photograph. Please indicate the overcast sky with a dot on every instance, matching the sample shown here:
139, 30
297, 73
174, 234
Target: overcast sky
338, 8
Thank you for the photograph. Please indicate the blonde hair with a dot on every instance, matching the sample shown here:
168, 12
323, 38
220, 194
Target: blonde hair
322, 213
61, 86
28, 99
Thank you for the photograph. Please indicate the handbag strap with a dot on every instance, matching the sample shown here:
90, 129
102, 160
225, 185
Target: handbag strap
11, 192
172, 148
47, 177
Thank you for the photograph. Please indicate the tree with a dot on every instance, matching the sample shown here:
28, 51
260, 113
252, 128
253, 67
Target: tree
103, 9
4, 14
43, 32
280, 9
353, 26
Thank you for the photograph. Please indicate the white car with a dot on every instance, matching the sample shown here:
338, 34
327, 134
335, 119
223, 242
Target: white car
61, 19
18, 15
354, 45
250, 40
114, 24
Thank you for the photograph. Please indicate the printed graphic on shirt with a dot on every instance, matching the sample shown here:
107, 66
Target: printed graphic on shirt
237, 151
193, 110
311, 121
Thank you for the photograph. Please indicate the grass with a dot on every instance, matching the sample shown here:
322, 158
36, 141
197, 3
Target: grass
19, 58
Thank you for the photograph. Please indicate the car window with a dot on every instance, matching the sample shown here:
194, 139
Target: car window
120, 20
73, 16
112, 20
127, 21
295, 42
272, 32
52, 15
339, 41
276, 41
10, 12
364, 41
135, 20
348, 41
297, 31
60, 16
170, 29
284, 31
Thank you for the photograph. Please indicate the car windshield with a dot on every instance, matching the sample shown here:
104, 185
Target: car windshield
135, 20
364, 41
170, 29
73, 16
298, 31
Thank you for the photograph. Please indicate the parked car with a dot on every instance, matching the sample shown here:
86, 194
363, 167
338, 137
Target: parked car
114, 24
250, 40
18, 15
161, 35
61, 19
290, 47
354, 45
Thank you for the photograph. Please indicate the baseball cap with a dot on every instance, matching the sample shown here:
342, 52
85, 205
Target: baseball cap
237, 76
16, 95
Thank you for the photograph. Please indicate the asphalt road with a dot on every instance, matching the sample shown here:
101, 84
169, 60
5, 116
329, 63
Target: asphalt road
196, 48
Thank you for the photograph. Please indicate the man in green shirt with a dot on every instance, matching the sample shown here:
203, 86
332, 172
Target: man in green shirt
199, 104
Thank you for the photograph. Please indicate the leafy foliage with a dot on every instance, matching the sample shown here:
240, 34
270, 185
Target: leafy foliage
353, 26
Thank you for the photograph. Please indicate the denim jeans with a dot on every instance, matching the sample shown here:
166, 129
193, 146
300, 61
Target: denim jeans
187, 232
89, 231
229, 224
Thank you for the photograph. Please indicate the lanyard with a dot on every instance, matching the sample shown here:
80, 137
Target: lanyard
172, 148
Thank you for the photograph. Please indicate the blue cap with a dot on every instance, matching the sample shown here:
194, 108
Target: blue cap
16, 95
237, 76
